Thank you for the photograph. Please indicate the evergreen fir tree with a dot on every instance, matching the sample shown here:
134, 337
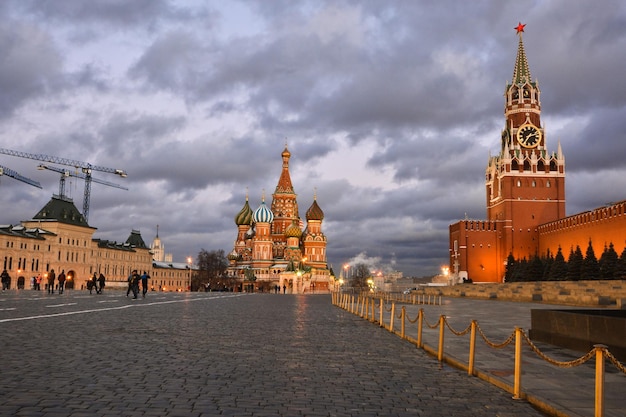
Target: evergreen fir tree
574, 264
510, 268
558, 269
547, 265
608, 262
620, 270
534, 272
590, 268
521, 271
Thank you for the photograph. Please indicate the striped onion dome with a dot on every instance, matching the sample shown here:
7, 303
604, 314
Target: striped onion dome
244, 217
314, 212
293, 230
263, 214
233, 256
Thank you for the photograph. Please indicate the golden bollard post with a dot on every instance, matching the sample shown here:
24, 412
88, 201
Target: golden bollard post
599, 380
403, 313
517, 385
381, 322
472, 351
442, 320
420, 319
393, 314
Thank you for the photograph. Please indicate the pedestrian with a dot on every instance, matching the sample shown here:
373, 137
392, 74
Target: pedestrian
134, 282
144, 283
38, 282
101, 280
51, 277
130, 284
284, 289
6, 280
61, 280
92, 284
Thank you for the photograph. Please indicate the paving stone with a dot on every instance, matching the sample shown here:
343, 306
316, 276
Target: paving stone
208, 354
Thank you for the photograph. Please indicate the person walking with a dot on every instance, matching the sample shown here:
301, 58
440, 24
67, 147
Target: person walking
130, 283
61, 280
135, 284
51, 277
144, 283
101, 280
38, 282
92, 284
6, 280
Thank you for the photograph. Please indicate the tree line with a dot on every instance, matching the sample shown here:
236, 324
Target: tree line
554, 267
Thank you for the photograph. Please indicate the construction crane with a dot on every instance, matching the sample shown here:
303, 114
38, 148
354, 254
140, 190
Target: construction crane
67, 173
85, 167
10, 173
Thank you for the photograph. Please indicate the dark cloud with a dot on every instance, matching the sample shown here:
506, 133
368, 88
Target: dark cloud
390, 111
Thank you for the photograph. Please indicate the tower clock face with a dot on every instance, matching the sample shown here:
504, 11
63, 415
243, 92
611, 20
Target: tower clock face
528, 136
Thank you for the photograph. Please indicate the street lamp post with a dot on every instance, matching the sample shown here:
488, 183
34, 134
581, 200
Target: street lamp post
189, 265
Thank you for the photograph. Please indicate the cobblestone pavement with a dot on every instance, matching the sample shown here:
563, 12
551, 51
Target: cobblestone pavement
220, 354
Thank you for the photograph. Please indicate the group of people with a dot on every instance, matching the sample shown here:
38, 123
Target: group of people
60, 279
133, 284
96, 283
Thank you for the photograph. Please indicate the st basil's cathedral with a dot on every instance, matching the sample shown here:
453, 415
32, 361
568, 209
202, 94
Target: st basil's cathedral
273, 250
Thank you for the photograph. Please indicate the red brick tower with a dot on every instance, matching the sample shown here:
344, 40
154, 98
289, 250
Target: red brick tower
525, 184
525, 187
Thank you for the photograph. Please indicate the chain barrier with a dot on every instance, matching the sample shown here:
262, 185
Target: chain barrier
599, 352
413, 321
388, 309
431, 326
496, 345
565, 364
461, 333
614, 361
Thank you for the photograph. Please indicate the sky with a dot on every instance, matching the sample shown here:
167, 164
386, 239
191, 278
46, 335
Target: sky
390, 111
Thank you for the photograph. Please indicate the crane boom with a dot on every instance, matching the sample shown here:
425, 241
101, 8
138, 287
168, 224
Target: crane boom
67, 173
10, 173
63, 161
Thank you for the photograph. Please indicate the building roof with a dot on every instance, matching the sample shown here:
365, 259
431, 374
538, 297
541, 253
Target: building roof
21, 231
136, 240
63, 210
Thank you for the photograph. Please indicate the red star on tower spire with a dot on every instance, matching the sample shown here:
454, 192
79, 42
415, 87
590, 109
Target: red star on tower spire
520, 27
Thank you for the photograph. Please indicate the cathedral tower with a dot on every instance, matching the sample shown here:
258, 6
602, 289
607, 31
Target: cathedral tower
284, 206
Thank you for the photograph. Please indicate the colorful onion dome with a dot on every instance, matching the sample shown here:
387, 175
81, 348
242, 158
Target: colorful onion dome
293, 230
314, 212
244, 217
233, 256
263, 214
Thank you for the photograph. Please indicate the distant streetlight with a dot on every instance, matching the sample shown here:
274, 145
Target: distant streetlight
189, 260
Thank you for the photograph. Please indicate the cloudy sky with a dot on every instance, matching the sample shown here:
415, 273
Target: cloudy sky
389, 108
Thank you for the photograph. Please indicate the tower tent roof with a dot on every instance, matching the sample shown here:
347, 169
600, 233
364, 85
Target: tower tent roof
521, 71
284, 182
